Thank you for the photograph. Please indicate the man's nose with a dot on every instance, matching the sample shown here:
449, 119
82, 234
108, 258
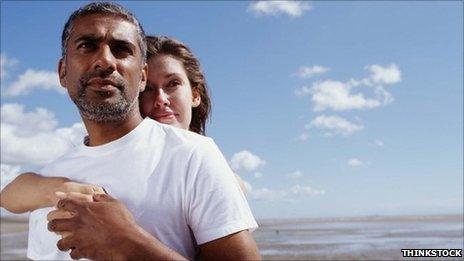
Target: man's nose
162, 99
105, 59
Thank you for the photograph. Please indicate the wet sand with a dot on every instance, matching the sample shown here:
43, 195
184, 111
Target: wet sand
357, 238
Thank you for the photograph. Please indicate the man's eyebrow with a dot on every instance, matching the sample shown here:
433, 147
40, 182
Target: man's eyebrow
124, 42
97, 39
89, 37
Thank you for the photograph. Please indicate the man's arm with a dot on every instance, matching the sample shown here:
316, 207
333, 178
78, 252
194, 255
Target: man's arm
237, 246
219, 214
105, 229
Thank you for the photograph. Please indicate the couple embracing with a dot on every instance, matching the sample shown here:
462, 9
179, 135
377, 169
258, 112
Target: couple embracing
146, 183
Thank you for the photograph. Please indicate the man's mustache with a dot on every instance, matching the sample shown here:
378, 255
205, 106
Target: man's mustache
117, 80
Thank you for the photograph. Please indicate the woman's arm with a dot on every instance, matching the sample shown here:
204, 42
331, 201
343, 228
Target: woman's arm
30, 191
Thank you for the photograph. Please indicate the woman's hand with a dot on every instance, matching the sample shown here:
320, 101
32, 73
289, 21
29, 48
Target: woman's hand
78, 190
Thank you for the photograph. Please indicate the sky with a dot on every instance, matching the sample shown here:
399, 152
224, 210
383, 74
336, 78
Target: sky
324, 108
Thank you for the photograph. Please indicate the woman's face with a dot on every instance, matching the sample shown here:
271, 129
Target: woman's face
168, 96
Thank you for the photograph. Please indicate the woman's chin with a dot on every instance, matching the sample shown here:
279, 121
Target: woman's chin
169, 121
166, 121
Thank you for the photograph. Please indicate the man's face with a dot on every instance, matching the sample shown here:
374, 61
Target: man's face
103, 70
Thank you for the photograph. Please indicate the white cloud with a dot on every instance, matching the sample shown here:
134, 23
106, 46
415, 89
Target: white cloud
354, 162
383, 95
28, 122
295, 175
342, 96
290, 8
308, 72
305, 191
284, 194
303, 91
362, 82
332, 125
5, 64
31, 138
8, 173
33, 79
266, 194
258, 175
384, 75
245, 160
337, 96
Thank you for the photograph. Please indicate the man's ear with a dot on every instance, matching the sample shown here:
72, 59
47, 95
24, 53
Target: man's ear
143, 80
196, 98
62, 72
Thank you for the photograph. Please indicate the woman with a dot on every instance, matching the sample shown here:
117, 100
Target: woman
176, 94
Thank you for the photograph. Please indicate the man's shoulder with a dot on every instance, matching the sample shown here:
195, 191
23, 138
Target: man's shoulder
176, 136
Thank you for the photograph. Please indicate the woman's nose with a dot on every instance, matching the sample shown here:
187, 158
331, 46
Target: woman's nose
162, 99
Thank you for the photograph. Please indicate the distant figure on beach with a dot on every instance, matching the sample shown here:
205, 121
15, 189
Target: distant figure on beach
183, 198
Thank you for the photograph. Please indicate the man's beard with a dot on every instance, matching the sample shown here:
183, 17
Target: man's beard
102, 111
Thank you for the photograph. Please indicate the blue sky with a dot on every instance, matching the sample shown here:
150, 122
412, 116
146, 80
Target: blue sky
323, 108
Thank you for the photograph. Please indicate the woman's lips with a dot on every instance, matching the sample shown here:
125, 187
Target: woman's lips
164, 117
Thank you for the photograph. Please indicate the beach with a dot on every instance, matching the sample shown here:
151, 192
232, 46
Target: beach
349, 238
13, 242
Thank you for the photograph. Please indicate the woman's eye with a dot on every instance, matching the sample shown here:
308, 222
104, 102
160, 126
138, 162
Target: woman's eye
174, 83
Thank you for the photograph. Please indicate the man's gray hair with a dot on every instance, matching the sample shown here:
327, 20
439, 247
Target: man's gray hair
108, 9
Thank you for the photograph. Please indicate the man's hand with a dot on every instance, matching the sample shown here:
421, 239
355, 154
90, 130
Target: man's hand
105, 229
60, 213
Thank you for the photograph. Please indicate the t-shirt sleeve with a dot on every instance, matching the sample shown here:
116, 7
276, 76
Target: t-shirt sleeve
217, 206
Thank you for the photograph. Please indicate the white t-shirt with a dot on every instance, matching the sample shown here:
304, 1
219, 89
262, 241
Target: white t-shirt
176, 183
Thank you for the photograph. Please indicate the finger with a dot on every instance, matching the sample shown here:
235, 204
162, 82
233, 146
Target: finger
103, 198
99, 190
60, 195
59, 225
64, 234
79, 196
65, 244
69, 204
76, 254
89, 189
59, 214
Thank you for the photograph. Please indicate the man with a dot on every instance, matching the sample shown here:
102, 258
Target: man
182, 195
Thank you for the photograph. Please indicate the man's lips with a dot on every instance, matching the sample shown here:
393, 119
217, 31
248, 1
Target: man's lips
102, 85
